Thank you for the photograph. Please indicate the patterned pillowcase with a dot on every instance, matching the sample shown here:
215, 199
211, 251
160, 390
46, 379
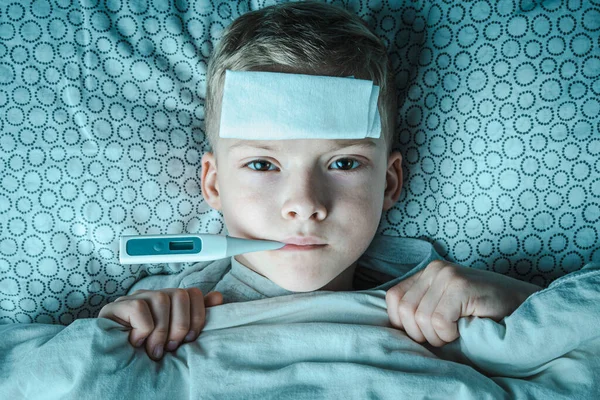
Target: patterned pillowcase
101, 135
500, 132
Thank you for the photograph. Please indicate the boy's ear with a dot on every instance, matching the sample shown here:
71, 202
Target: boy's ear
209, 182
393, 180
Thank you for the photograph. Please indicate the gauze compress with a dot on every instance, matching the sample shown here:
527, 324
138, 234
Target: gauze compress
260, 105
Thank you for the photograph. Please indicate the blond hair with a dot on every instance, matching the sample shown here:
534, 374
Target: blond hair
306, 38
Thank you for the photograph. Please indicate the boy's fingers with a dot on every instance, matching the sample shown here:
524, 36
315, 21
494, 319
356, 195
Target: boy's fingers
426, 308
141, 321
197, 314
445, 317
408, 305
133, 313
160, 307
213, 299
393, 297
198, 304
179, 323
162, 319
404, 286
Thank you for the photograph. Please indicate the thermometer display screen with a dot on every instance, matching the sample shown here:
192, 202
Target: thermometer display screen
164, 245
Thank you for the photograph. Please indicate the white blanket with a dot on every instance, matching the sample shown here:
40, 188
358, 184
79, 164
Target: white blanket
322, 345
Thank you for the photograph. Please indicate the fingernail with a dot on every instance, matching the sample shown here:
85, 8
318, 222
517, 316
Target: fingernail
172, 345
140, 342
190, 336
158, 350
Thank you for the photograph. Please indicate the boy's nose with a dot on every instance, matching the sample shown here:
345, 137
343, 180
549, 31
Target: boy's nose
304, 200
304, 214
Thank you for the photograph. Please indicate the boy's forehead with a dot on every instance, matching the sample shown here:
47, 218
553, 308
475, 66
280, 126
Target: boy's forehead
260, 105
328, 144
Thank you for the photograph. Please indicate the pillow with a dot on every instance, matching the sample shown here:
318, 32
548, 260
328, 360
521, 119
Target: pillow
500, 133
101, 135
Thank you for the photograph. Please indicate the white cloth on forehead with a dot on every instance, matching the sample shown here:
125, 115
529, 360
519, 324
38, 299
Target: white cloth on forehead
260, 105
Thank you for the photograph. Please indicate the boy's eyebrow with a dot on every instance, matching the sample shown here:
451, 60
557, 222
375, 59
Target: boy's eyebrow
338, 144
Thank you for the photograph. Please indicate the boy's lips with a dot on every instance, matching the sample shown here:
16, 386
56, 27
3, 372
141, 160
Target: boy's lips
302, 243
296, 247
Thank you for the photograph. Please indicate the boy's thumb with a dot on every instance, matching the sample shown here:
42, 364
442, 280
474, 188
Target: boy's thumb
213, 299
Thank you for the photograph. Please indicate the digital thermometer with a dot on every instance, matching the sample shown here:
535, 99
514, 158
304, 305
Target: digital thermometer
151, 249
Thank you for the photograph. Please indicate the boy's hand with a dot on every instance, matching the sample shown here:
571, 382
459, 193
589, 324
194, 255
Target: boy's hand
162, 318
428, 304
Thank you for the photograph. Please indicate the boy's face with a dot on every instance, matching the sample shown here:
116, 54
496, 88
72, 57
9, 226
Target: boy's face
330, 192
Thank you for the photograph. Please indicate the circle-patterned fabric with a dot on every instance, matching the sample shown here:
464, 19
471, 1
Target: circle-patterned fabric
101, 135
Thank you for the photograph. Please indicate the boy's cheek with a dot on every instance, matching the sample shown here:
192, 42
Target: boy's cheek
245, 217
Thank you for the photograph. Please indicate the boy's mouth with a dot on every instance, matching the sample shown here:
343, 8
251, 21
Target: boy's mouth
295, 247
303, 243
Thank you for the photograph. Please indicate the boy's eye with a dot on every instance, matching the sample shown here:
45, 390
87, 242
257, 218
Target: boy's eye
259, 165
346, 164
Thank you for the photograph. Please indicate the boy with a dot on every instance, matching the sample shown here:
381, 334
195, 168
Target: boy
323, 196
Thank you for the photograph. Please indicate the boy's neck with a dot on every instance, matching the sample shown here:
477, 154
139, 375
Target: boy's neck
342, 282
